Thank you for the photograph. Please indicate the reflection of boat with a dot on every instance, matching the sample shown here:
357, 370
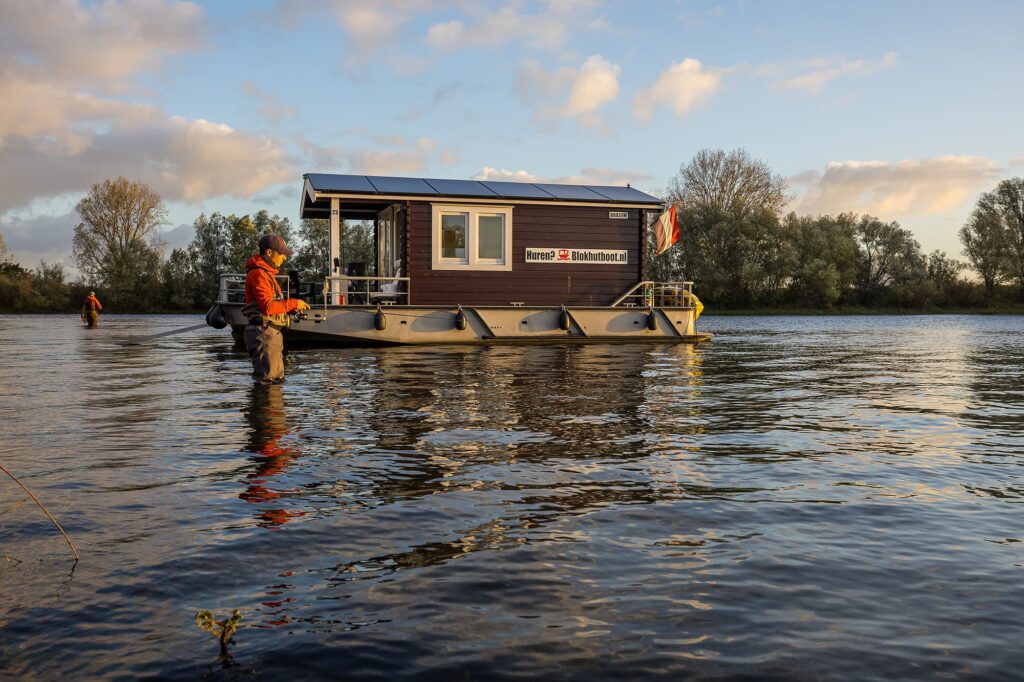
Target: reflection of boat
492, 262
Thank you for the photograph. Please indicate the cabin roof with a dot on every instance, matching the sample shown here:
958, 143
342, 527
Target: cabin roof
369, 187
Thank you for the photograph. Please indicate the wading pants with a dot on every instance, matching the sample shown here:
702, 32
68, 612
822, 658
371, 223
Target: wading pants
266, 348
92, 318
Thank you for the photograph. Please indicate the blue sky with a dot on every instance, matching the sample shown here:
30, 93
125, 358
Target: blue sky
905, 110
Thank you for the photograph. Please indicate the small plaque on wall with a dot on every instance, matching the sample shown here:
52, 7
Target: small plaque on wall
619, 215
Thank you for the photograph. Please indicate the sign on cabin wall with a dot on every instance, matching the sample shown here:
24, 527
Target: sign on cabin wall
589, 256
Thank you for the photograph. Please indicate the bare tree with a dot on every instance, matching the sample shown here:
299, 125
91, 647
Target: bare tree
729, 219
117, 241
733, 183
985, 241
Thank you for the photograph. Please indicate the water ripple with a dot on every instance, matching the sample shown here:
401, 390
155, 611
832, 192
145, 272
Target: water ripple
804, 497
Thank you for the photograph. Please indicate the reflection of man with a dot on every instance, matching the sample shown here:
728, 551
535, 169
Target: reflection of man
91, 310
266, 419
267, 310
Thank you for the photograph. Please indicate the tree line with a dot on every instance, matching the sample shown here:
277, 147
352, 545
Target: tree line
118, 251
742, 250
739, 246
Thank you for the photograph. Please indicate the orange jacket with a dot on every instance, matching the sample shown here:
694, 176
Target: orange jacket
92, 303
262, 289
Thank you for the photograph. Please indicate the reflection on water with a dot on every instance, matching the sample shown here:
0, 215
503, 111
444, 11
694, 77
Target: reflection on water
803, 497
272, 450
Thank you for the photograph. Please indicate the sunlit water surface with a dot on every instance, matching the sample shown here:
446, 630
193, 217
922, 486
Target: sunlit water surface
804, 497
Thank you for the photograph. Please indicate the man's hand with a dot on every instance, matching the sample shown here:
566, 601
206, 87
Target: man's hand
302, 305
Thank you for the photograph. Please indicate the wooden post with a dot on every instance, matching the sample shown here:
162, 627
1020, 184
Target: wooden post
643, 244
334, 242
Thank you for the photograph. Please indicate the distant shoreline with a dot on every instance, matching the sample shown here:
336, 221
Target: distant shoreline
862, 311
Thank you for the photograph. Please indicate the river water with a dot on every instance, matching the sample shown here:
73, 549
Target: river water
801, 498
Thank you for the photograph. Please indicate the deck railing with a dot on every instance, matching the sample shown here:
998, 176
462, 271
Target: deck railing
232, 287
368, 290
648, 293
351, 290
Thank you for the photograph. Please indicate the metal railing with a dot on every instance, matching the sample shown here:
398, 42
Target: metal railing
649, 293
355, 290
232, 287
368, 290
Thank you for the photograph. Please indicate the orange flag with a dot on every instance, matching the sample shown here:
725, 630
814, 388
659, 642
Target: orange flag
666, 231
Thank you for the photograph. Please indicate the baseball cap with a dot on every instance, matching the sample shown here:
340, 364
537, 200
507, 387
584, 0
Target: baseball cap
272, 241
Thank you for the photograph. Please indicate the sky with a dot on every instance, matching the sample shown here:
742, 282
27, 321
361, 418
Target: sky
905, 110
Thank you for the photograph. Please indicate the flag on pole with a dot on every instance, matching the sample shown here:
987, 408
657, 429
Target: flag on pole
666, 231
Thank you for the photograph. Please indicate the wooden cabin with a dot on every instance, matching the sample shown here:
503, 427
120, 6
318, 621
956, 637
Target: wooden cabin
487, 243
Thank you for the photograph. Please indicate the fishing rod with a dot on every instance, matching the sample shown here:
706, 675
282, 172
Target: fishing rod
45, 511
142, 339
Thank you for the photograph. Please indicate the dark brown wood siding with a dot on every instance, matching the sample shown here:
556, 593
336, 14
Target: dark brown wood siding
580, 227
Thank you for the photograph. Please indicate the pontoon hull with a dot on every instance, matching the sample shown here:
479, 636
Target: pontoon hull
361, 325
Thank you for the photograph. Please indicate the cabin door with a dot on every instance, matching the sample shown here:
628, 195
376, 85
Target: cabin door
389, 263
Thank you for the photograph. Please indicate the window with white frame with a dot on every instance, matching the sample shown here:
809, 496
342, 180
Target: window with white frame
472, 237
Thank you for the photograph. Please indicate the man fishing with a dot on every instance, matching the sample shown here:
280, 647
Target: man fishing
267, 310
91, 310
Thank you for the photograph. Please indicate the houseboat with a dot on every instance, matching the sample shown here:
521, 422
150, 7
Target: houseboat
464, 261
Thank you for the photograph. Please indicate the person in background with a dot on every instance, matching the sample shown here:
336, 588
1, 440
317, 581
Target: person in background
91, 310
267, 310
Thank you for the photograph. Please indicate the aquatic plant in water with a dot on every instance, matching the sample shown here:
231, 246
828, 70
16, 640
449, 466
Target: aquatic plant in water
223, 630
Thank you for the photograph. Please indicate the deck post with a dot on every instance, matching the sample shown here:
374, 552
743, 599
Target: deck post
334, 243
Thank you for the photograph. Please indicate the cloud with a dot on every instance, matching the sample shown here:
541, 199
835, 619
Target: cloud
367, 24
384, 26
186, 160
504, 175
104, 42
35, 238
68, 70
586, 176
394, 155
594, 85
582, 91
825, 71
178, 237
814, 74
548, 28
271, 106
448, 157
893, 189
682, 87
446, 35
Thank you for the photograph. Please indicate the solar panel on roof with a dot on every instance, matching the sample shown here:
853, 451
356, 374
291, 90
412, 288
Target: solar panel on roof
461, 188
386, 185
623, 194
326, 182
516, 190
576, 192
